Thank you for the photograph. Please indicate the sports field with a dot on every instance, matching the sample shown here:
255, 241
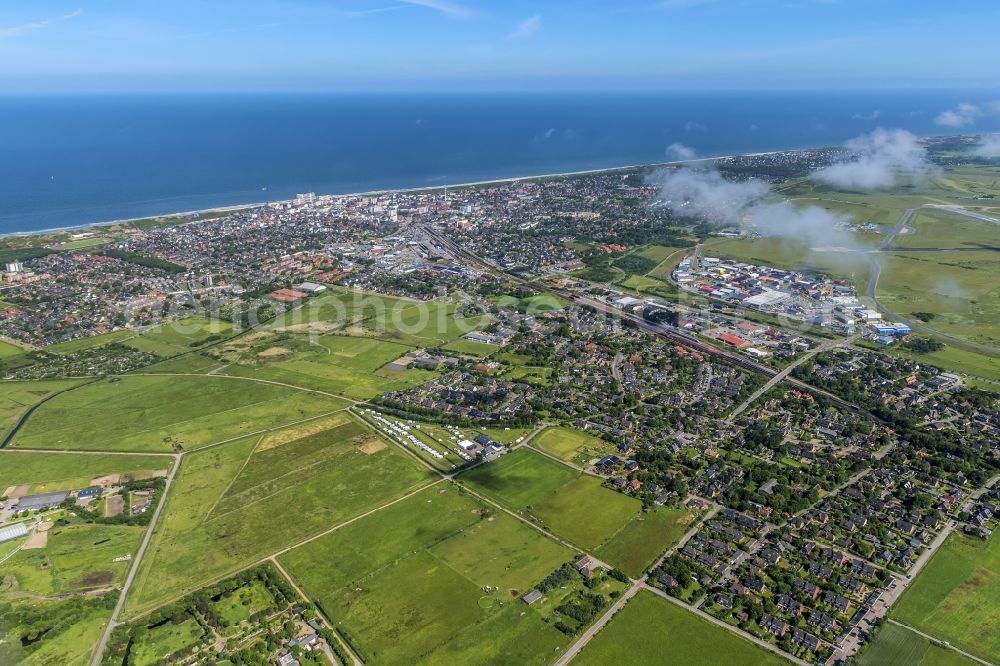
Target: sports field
898, 646
408, 584
161, 413
651, 630
234, 504
570, 504
46, 472
16, 398
956, 597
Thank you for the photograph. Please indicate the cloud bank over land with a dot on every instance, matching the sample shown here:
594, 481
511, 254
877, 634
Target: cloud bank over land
989, 146
703, 193
880, 160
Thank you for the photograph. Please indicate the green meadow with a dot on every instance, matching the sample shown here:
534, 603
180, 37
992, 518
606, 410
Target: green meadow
161, 413
47, 472
572, 505
417, 582
77, 558
232, 505
956, 597
572, 445
16, 398
898, 646
651, 630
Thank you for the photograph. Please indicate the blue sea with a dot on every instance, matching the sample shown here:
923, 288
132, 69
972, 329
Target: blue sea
75, 160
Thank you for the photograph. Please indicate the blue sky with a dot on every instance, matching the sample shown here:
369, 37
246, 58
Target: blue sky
329, 45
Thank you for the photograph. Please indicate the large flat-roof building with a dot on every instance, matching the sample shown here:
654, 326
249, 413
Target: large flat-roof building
43, 501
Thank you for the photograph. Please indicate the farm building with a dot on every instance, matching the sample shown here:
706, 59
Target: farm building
12, 532
87, 493
43, 501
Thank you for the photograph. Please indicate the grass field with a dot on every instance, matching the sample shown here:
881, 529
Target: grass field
570, 504
344, 365
942, 229
80, 344
471, 348
572, 445
70, 644
193, 363
956, 597
165, 639
76, 558
231, 505
960, 288
240, 604
898, 646
157, 413
16, 398
406, 584
69, 471
645, 538
180, 336
8, 349
651, 630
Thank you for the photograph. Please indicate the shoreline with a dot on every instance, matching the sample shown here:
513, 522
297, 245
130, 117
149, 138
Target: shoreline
491, 181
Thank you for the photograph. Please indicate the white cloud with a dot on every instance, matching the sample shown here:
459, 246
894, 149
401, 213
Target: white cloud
703, 193
964, 115
451, 9
18, 30
680, 152
878, 161
989, 146
874, 115
527, 27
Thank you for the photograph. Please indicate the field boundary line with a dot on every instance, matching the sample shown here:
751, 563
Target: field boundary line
278, 553
233, 480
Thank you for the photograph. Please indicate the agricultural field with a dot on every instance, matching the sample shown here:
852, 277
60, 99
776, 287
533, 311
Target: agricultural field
165, 413
536, 304
898, 646
46, 472
75, 558
16, 398
570, 504
433, 579
572, 445
196, 363
651, 630
178, 337
231, 505
956, 598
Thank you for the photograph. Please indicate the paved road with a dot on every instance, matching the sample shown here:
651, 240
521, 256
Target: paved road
113, 622
826, 346
597, 626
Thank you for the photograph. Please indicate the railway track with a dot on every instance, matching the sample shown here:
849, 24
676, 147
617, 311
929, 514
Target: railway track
660, 330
